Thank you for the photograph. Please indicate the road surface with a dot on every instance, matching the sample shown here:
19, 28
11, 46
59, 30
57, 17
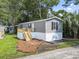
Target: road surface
65, 53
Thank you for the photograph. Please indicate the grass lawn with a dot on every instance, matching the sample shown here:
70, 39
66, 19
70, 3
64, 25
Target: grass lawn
8, 48
68, 43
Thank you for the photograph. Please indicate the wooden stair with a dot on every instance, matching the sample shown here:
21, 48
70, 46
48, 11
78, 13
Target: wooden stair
28, 45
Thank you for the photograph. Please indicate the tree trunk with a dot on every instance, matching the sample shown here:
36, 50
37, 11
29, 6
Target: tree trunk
75, 36
40, 13
75, 33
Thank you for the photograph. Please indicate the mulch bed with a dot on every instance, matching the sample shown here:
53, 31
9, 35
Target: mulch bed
35, 45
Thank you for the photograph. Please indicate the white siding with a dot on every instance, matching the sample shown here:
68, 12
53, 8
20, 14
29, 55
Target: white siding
50, 37
49, 25
53, 36
39, 35
20, 35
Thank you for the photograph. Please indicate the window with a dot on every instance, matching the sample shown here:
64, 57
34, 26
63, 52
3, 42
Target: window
55, 26
29, 25
20, 26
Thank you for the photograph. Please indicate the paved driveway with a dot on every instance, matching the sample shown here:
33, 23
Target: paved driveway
65, 53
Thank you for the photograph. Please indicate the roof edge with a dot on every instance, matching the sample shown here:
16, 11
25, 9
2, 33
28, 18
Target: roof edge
43, 20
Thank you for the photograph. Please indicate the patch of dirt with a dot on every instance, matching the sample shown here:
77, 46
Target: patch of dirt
35, 45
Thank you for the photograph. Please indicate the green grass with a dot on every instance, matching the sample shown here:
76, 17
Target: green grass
68, 43
8, 48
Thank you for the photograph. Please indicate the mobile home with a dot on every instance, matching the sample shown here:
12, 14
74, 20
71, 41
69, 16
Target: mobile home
46, 29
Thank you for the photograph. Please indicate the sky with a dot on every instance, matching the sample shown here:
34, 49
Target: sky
70, 8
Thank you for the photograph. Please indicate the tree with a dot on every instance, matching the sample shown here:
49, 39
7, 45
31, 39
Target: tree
4, 11
68, 2
9, 11
37, 9
70, 23
14, 11
75, 24
24, 10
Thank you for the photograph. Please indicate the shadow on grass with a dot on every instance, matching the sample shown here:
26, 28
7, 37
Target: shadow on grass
68, 43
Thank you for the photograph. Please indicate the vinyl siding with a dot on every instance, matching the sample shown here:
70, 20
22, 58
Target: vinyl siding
49, 26
39, 26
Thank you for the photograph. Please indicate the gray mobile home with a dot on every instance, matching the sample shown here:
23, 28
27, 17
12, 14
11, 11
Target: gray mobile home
46, 29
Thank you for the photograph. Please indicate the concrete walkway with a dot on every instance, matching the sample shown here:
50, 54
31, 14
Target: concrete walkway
65, 53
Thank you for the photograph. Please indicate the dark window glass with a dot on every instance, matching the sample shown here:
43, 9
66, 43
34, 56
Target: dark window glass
29, 25
55, 26
20, 26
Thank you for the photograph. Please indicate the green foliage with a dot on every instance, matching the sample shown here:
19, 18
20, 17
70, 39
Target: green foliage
69, 2
13, 11
9, 10
37, 9
50, 3
70, 23
3, 10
